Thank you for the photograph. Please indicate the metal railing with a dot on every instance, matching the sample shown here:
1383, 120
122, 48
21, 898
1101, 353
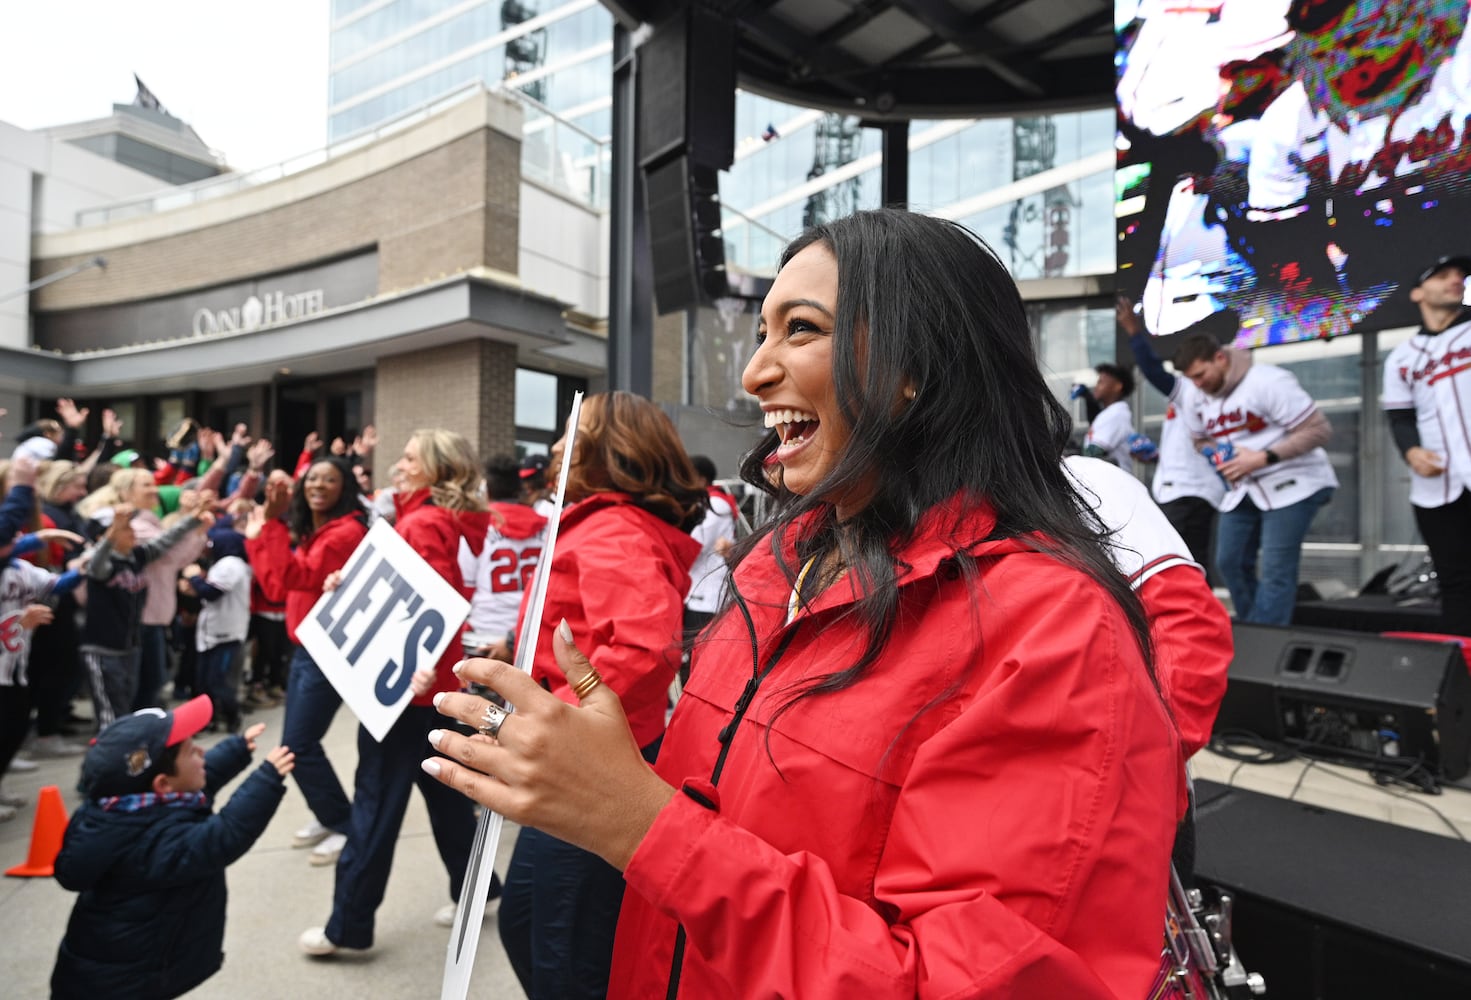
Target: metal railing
549, 161
555, 152
751, 245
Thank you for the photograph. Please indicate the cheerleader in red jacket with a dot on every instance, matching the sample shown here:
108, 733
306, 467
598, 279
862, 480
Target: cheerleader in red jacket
438, 506
921, 752
325, 522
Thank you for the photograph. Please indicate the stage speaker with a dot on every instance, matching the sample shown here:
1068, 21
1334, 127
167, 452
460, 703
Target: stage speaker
1353, 697
686, 82
687, 248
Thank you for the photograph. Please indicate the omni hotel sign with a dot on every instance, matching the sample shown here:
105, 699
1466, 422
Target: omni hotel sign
239, 307
257, 311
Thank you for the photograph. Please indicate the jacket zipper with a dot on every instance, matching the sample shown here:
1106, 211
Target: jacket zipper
726, 738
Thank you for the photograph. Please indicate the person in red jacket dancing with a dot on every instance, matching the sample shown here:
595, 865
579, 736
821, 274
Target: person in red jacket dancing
619, 575
326, 522
437, 506
922, 751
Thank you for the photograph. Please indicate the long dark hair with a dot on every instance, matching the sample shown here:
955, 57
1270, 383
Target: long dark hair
299, 515
924, 304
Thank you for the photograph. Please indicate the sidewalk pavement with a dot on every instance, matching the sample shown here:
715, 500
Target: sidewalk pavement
274, 896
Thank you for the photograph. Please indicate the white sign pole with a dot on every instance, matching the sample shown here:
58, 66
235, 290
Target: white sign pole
459, 960
392, 614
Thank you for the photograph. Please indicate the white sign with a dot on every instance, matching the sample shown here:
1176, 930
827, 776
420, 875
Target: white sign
392, 615
258, 311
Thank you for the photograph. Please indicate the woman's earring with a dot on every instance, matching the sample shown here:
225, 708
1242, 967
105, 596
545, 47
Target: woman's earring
910, 392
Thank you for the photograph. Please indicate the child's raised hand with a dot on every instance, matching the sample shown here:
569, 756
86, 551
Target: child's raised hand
251, 735
282, 759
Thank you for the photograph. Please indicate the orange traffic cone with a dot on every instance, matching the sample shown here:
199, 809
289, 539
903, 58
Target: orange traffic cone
46, 834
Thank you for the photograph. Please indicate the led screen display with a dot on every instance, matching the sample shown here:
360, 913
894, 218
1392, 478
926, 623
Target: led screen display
1295, 162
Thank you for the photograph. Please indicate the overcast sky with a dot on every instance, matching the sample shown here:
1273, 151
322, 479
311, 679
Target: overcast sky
249, 75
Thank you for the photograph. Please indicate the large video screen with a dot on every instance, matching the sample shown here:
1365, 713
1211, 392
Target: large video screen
1296, 162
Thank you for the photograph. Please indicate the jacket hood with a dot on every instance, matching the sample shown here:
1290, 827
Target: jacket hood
1238, 364
683, 549
516, 520
471, 525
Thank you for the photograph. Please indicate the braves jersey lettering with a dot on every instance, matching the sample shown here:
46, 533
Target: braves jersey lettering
1431, 374
1434, 369
1266, 404
1223, 425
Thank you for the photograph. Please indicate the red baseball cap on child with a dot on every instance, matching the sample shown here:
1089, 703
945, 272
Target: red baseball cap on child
124, 758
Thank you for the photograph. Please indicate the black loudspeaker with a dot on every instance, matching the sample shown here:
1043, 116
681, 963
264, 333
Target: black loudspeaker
1350, 696
688, 251
686, 90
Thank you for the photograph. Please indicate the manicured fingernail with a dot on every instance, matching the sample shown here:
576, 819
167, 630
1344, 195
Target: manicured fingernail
565, 631
430, 766
435, 735
439, 697
458, 666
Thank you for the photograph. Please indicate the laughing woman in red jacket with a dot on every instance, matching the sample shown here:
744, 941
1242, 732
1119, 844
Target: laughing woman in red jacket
325, 521
921, 753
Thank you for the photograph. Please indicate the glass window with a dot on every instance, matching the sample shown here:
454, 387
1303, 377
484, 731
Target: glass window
722, 341
536, 400
170, 410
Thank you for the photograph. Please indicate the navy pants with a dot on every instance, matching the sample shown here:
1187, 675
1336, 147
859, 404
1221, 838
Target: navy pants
311, 702
558, 915
387, 773
219, 672
153, 666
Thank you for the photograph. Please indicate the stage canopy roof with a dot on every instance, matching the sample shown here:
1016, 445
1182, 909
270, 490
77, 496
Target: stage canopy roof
905, 59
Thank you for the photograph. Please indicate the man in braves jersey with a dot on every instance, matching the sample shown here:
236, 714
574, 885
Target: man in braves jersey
1278, 475
1427, 397
1113, 423
1185, 485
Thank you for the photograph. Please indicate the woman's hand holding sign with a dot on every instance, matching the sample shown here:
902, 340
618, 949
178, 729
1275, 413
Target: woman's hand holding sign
575, 773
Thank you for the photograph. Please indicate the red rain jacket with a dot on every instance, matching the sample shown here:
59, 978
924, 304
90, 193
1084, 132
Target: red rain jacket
296, 575
619, 577
988, 813
435, 533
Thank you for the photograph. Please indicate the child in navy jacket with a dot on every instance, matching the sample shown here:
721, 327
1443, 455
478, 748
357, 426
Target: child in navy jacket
148, 854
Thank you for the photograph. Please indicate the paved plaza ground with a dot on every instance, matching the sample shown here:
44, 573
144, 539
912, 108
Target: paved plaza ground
274, 895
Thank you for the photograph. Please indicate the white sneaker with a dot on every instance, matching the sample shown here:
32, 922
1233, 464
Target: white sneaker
55, 746
314, 941
310, 835
327, 851
445, 915
11, 799
22, 766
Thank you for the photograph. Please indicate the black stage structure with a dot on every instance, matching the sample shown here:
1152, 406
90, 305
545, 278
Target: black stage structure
1328, 905
676, 66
